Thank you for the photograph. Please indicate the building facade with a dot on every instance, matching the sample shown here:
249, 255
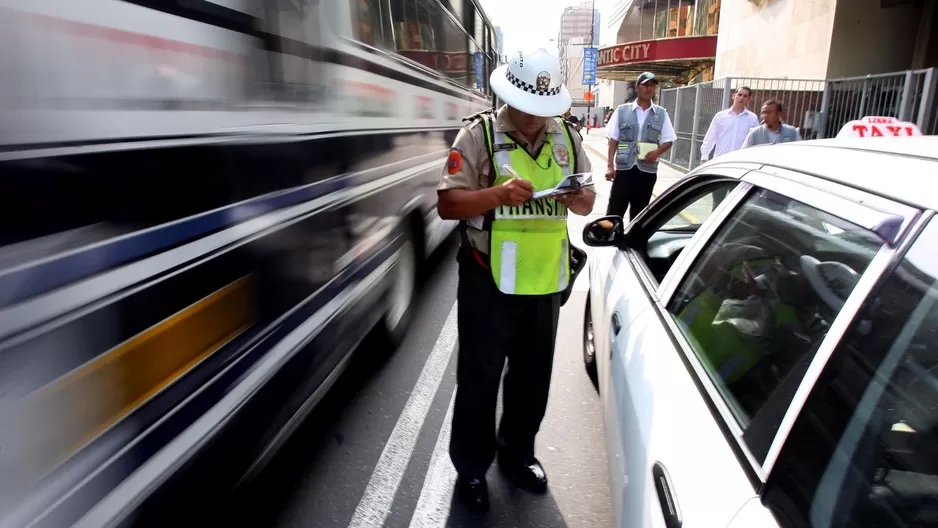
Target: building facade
688, 41
675, 39
579, 22
825, 38
579, 29
827, 61
571, 68
612, 93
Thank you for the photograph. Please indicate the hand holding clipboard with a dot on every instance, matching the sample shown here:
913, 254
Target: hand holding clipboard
570, 184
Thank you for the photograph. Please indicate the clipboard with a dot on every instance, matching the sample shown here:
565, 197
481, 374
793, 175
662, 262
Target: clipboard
644, 148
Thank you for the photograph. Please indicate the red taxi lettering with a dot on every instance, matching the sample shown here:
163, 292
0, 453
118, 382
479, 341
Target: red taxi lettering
899, 130
875, 131
879, 127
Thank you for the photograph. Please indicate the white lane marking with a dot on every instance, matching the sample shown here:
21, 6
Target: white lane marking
379, 495
434, 503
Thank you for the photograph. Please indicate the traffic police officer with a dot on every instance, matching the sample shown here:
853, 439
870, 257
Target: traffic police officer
513, 263
632, 126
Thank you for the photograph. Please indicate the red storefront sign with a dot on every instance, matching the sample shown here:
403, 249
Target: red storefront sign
681, 48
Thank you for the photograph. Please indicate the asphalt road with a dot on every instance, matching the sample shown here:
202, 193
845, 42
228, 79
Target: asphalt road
375, 451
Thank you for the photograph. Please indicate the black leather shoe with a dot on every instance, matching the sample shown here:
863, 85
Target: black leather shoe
474, 493
527, 474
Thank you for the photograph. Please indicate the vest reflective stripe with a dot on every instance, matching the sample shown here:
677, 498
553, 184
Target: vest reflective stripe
508, 266
627, 151
564, 259
529, 250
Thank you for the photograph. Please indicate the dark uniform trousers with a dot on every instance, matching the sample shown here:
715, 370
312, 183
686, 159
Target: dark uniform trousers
493, 327
631, 190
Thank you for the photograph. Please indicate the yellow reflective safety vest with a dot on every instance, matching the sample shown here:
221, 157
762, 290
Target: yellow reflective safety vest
529, 251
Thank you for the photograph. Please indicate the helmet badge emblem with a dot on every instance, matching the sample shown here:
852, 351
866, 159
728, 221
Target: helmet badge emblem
543, 81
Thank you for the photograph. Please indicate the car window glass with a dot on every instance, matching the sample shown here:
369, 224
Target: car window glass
760, 298
672, 230
693, 213
864, 450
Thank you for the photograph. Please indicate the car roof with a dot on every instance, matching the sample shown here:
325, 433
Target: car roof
904, 169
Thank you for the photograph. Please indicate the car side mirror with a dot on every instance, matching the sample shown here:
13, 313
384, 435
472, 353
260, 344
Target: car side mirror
603, 232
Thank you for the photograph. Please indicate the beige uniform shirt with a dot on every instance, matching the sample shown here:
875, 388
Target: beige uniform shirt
473, 175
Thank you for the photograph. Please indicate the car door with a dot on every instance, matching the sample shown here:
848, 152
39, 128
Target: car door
703, 376
620, 305
861, 450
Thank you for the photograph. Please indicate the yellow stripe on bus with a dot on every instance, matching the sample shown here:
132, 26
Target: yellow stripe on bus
57, 420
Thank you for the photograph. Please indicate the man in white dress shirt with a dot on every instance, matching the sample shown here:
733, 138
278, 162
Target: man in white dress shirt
729, 127
728, 131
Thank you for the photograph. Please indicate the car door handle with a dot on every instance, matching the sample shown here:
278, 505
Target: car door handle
666, 498
616, 325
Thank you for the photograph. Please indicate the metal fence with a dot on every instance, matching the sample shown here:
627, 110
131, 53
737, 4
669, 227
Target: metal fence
817, 107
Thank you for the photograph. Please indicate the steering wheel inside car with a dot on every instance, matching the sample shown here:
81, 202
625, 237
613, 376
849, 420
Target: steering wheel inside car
832, 281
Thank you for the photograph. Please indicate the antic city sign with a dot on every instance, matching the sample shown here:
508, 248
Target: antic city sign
669, 49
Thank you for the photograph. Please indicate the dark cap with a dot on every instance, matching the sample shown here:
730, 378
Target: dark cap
646, 77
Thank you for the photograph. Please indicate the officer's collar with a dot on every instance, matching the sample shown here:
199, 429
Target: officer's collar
504, 124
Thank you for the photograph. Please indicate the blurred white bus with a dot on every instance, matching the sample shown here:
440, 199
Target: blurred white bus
204, 209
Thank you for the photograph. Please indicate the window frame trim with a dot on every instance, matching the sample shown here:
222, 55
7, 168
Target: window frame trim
854, 205
705, 232
883, 264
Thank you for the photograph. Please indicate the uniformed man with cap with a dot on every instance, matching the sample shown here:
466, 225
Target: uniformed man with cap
513, 264
638, 134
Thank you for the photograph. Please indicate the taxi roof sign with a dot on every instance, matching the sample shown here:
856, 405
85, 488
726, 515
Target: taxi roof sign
878, 126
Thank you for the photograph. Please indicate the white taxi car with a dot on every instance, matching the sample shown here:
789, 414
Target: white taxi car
765, 340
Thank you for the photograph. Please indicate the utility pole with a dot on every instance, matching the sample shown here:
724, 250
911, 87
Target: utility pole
589, 104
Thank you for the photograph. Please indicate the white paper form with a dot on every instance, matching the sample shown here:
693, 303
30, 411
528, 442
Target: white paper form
571, 183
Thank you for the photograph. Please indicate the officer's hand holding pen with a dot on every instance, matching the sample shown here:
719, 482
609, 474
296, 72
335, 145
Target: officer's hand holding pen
515, 191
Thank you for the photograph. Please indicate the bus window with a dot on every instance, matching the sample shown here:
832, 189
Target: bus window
456, 62
293, 71
459, 9
371, 23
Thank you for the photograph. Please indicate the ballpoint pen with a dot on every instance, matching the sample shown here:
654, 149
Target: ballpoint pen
511, 171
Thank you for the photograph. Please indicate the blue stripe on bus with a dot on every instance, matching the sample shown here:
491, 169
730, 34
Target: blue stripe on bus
244, 352
23, 283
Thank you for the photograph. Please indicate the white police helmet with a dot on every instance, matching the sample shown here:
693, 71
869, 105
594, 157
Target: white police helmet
532, 83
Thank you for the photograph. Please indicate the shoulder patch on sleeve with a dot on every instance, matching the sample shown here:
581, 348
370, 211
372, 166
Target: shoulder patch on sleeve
454, 161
